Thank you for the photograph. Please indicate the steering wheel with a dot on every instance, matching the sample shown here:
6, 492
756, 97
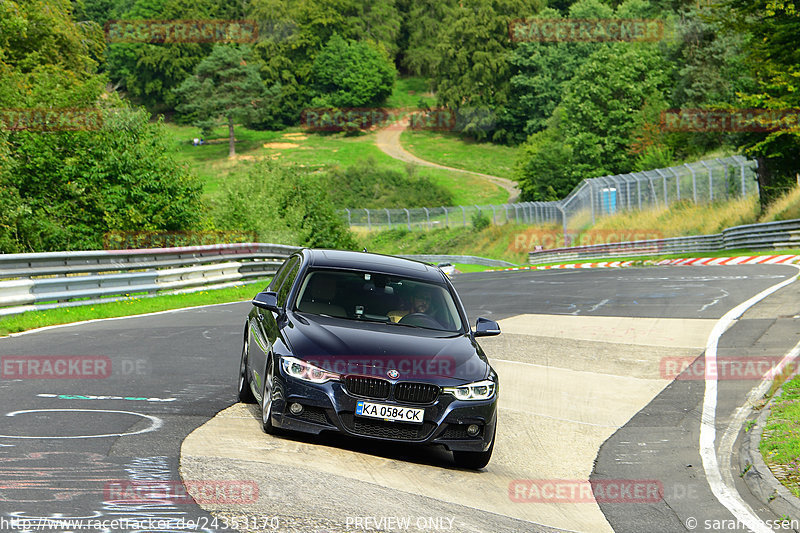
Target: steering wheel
420, 319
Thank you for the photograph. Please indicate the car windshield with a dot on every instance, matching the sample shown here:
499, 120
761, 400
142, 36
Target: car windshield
378, 297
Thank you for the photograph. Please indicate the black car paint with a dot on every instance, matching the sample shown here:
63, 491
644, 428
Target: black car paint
275, 330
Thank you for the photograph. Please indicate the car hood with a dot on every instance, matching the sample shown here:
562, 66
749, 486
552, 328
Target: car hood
374, 349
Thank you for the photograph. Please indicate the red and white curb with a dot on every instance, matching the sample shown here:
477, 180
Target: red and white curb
685, 261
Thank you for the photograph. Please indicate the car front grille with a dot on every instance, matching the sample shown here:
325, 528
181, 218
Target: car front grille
416, 392
390, 430
367, 387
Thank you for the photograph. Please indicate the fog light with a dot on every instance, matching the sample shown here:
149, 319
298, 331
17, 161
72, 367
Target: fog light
473, 430
296, 408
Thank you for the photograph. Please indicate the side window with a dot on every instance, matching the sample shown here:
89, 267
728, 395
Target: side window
291, 274
280, 274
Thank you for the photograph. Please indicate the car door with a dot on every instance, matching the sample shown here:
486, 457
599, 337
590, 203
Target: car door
265, 328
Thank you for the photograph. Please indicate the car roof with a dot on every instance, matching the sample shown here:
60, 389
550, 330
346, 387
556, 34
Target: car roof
385, 264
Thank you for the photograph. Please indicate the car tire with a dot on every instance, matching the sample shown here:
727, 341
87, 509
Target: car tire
474, 460
266, 399
245, 393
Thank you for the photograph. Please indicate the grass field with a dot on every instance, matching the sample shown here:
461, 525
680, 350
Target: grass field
450, 150
314, 151
780, 442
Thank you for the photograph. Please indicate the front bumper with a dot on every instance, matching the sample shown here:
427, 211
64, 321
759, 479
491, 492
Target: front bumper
330, 407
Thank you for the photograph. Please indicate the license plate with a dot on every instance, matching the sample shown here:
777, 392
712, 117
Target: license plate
390, 412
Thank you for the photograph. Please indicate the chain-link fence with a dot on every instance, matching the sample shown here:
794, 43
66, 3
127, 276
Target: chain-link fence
700, 182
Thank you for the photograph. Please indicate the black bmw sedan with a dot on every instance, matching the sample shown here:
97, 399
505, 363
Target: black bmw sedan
371, 346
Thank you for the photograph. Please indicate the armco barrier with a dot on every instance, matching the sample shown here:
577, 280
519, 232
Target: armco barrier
769, 236
64, 279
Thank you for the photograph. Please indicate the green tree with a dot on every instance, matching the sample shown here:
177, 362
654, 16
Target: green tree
773, 58
223, 89
351, 74
297, 30
613, 94
148, 72
473, 69
423, 26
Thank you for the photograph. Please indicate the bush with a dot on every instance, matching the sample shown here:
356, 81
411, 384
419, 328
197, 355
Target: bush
282, 205
365, 185
65, 190
480, 221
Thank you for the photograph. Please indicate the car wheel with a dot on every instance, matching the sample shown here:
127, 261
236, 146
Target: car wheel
245, 393
266, 399
474, 460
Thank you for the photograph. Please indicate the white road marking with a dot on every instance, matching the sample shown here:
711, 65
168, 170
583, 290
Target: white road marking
155, 423
726, 493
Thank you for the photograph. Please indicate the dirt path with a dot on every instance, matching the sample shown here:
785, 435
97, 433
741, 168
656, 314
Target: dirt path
388, 140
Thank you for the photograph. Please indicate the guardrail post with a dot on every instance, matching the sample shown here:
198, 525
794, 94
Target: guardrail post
725, 180
664, 179
694, 182
677, 183
710, 182
369, 223
744, 185
408, 217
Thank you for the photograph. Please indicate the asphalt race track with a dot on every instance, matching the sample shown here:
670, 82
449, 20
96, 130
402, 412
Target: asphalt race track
587, 363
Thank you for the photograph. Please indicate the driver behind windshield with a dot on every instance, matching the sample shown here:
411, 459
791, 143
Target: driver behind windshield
420, 302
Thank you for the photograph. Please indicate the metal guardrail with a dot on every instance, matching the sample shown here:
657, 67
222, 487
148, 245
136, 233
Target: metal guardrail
38, 281
768, 235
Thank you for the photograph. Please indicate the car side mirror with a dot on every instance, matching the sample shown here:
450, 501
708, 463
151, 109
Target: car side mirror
266, 300
486, 328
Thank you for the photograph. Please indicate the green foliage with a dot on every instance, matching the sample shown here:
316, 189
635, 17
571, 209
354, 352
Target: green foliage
366, 185
75, 186
472, 69
480, 221
614, 93
773, 58
41, 32
351, 74
224, 88
282, 205
299, 29
424, 24
149, 72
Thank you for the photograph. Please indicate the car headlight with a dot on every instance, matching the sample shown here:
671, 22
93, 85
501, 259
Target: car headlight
302, 370
479, 390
